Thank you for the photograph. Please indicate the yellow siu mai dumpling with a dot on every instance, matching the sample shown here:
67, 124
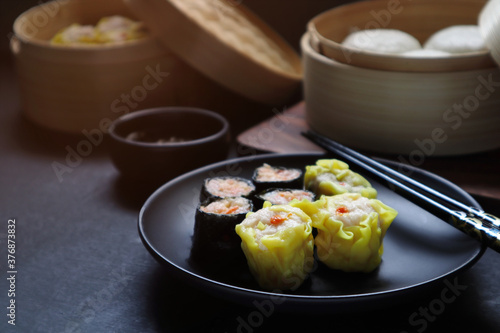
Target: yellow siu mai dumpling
351, 230
278, 244
332, 176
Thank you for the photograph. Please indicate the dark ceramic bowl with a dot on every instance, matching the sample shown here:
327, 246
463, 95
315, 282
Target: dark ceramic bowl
161, 143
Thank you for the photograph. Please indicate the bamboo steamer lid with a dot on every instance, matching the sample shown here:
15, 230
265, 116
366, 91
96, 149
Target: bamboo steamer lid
226, 42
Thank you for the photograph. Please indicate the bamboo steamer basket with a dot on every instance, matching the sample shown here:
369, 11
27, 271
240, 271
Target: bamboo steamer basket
388, 104
71, 89
419, 18
228, 43
413, 114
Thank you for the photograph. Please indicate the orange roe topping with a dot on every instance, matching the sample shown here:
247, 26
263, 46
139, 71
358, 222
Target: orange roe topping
342, 210
277, 219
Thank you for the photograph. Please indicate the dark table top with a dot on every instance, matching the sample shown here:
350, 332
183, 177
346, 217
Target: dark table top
81, 266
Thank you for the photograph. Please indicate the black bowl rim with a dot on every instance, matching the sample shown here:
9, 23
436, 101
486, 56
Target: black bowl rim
165, 110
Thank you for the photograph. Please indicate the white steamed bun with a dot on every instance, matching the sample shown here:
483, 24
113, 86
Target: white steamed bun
390, 41
457, 39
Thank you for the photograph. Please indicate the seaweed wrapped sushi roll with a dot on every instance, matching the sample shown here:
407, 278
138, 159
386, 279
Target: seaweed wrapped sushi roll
332, 176
351, 229
223, 187
214, 238
282, 196
267, 176
278, 244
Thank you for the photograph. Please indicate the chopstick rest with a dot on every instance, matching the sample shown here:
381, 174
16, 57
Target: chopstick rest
474, 222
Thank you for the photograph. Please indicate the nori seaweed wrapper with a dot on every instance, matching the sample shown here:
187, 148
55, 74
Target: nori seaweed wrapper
207, 193
215, 242
261, 185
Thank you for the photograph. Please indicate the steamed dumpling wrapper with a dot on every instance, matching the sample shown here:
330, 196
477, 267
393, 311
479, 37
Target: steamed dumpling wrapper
457, 39
332, 176
75, 34
351, 229
118, 29
278, 244
389, 41
111, 29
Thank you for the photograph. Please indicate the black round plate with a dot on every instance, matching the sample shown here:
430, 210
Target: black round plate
420, 250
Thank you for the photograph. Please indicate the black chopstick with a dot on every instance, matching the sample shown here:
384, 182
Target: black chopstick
474, 222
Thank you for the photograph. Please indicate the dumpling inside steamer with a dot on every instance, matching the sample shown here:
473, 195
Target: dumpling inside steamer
457, 39
389, 41
454, 39
110, 29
